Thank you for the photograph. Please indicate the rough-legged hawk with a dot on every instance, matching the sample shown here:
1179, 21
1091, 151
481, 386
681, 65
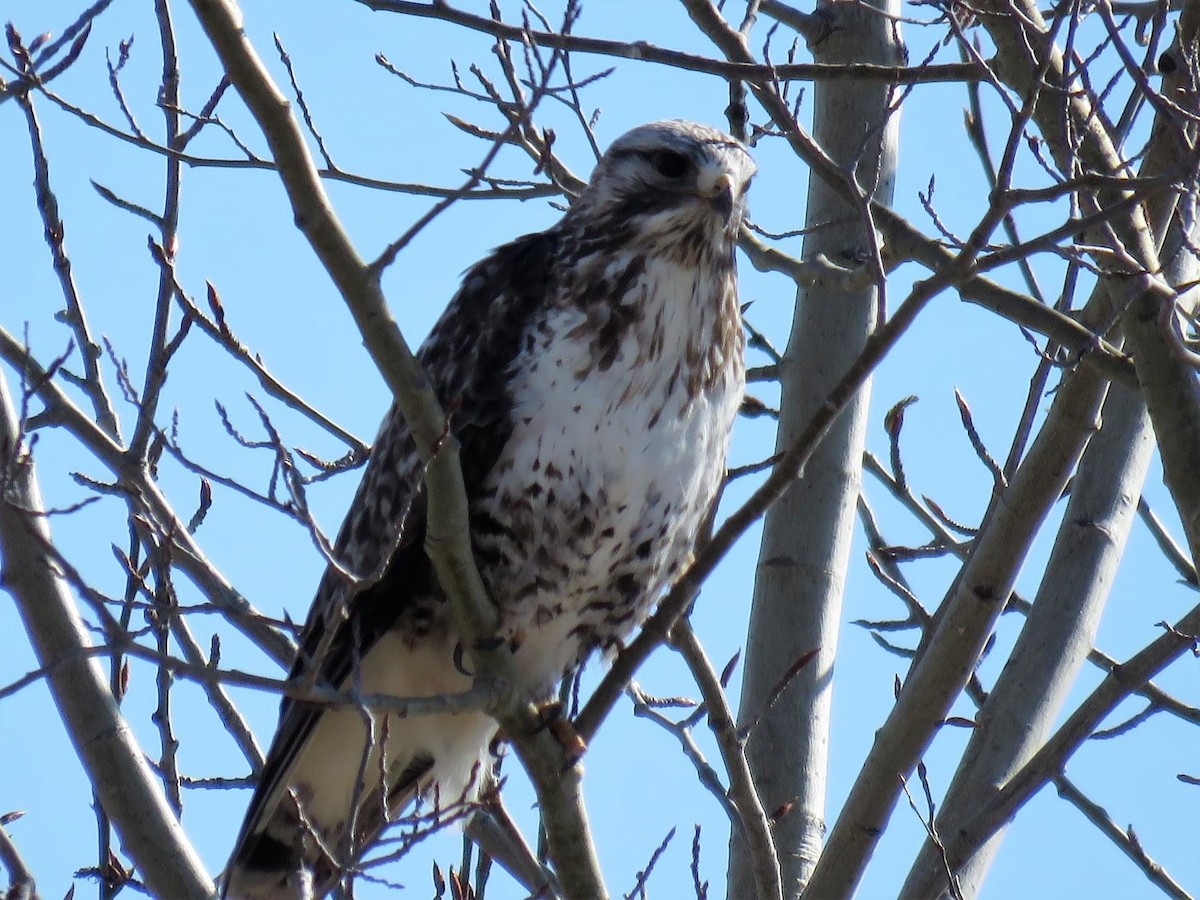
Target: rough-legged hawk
592, 372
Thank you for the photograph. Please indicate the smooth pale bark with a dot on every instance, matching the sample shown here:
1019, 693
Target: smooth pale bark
1167, 376
1057, 636
965, 621
1054, 642
116, 766
800, 577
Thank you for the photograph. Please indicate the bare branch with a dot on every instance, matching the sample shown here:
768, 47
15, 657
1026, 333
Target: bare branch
104, 741
73, 314
20, 879
188, 556
554, 771
643, 51
1123, 838
755, 826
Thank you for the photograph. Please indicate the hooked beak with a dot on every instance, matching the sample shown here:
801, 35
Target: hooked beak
721, 196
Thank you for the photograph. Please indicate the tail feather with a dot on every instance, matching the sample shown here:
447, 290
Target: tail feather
339, 781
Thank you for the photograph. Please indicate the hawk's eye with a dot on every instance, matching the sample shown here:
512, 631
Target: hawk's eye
670, 164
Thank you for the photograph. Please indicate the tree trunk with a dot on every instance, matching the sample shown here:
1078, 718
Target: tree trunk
800, 577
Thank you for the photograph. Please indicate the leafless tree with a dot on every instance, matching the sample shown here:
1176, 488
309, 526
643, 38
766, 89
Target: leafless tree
1083, 122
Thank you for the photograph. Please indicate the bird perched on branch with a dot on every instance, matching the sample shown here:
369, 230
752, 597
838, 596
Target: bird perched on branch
591, 374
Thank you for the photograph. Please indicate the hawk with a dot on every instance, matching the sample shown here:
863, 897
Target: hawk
592, 373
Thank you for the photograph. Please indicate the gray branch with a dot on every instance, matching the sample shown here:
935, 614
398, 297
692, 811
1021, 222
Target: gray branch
116, 766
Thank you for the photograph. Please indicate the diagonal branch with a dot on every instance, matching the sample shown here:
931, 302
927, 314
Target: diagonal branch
751, 817
137, 480
21, 883
360, 289
1075, 133
557, 778
107, 747
643, 51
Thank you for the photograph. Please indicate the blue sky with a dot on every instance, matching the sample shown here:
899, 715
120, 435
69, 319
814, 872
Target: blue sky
237, 233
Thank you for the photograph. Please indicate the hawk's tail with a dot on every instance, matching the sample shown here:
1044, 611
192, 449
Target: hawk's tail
338, 776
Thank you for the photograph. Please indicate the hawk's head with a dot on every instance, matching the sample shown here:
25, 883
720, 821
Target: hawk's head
670, 184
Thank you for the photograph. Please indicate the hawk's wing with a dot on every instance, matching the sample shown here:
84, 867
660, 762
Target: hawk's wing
468, 358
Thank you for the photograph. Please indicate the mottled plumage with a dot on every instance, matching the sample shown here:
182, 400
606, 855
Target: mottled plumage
593, 372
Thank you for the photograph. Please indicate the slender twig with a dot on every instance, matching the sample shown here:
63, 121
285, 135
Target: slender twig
1124, 680
1167, 543
74, 315
1155, 695
682, 732
104, 740
642, 51
750, 815
21, 885
527, 192
159, 352
1125, 839
138, 482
